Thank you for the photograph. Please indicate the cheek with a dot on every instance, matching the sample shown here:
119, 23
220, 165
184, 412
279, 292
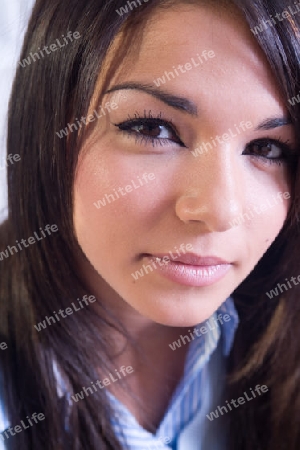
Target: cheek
263, 222
111, 206
265, 199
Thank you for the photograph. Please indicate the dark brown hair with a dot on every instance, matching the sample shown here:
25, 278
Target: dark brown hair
33, 283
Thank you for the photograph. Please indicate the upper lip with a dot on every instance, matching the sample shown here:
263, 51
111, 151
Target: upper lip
192, 259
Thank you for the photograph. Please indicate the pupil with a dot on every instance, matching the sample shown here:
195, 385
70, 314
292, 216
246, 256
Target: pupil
266, 149
262, 149
150, 130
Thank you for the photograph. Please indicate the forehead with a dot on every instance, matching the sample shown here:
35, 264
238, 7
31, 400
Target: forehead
174, 36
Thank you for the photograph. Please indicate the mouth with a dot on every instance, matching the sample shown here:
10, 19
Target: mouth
192, 259
189, 269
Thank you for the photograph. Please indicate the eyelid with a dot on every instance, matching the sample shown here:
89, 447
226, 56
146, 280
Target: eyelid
288, 153
285, 145
157, 121
149, 119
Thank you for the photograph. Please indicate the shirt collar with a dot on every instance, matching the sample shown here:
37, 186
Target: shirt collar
229, 326
186, 399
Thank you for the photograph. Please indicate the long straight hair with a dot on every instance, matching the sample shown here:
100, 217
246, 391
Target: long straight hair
48, 94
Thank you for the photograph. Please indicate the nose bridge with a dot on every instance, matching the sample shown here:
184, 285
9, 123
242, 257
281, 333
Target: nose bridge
215, 170
213, 190
226, 176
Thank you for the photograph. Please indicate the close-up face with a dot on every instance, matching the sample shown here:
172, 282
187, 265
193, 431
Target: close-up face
191, 165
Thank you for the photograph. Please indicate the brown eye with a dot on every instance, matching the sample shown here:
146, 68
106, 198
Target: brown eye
266, 149
154, 130
272, 151
151, 130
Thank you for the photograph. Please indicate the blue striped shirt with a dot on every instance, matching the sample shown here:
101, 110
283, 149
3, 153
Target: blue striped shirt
195, 392
187, 399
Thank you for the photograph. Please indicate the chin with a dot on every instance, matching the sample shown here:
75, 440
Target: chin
182, 312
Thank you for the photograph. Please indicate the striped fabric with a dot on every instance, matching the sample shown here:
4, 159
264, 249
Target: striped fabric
186, 400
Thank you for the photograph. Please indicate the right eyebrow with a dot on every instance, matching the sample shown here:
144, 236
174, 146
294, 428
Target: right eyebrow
180, 103
274, 122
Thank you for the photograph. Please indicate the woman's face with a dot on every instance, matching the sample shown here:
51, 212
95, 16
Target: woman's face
193, 164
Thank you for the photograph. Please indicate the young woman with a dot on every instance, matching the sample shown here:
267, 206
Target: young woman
149, 264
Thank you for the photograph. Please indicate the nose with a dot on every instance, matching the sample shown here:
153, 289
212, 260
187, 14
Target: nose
211, 189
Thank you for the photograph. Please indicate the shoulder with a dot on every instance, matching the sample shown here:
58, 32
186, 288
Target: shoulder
4, 424
3, 417
3, 413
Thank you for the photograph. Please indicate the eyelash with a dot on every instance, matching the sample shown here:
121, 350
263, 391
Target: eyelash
126, 127
288, 153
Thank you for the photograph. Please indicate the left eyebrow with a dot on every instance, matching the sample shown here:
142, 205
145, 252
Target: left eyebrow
276, 122
180, 103
185, 105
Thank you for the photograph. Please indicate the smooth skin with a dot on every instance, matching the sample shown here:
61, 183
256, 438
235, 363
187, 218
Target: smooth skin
192, 199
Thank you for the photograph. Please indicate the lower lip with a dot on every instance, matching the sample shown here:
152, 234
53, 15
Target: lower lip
188, 275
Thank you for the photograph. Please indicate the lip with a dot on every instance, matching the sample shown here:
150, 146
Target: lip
192, 259
190, 269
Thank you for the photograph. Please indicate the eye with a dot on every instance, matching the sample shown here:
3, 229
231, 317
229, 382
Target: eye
154, 130
151, 130
270, 150
266, 149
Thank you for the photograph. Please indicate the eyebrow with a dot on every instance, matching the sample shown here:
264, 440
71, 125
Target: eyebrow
187, 106
177, 102
275, 122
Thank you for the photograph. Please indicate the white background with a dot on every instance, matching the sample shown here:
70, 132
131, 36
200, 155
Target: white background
14, 15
